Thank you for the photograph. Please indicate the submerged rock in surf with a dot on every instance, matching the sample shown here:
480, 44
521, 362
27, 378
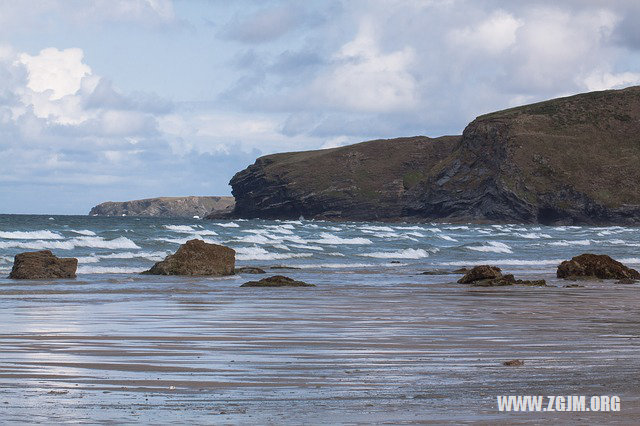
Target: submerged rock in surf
595, 266
196, 257
277, 281
42, 265
250, 270
513, 363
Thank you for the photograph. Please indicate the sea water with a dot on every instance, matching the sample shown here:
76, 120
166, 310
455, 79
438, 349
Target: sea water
374, 341
111, 247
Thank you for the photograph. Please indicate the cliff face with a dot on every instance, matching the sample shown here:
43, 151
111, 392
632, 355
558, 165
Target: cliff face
573, 160
166, 207
366, 181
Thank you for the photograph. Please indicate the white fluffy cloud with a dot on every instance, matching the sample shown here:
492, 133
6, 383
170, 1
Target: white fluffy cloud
363, 78
492, 35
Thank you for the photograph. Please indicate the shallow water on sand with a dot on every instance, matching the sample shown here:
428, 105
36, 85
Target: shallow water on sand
375, 341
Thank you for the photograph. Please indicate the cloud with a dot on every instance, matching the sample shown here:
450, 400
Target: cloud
267, 24
363, 78
492, 35
26, 15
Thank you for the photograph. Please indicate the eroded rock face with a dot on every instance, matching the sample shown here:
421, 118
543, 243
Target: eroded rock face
277, 281
196, 257
595, 266
43, 265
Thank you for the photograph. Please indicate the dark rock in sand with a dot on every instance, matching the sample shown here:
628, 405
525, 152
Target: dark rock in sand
595, 266
513, 363
196, 257
491, 276
43, 265
277, 281
573, 286
481, 272
626, 281
250, 270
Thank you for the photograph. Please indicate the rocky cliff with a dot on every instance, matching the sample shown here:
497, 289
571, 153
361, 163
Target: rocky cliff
365, 181
166, 207
573, 160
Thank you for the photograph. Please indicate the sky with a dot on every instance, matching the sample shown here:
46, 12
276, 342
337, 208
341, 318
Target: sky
112, 100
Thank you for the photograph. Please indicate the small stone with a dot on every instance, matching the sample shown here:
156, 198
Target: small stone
513, 363
277, 281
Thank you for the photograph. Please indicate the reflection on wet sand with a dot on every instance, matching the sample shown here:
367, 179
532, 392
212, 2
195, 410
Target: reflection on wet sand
413, 349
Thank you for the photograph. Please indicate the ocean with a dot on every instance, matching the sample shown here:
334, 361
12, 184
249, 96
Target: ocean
375, 340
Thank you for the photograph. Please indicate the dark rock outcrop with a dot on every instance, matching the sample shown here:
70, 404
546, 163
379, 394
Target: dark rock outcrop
277, 281
43, 265
513, 363
250, 270
595, 266
196, 257
167, 207
570, 160
481, 272
491, 276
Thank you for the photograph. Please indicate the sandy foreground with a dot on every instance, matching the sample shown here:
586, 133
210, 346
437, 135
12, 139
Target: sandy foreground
356, 349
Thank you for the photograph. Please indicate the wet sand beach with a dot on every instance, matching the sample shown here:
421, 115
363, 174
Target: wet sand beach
411, 349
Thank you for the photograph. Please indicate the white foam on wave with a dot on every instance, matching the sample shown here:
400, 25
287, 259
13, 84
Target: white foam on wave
258, 253
30, 235
447, 238
228, 225
185, 239
506, 262
85, 232
630, 260
107, 270
400, 254
88, 259
281, 229
409, 228
533, 235
307, 247
180, 228
372, 228
155, 255
186, 229
91, 242
566, 243
335, 265
330, 239
492, 247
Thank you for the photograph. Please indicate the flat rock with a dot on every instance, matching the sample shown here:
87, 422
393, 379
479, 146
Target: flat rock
250, 270
595, 266
43, 265
513, 363
277, 281
196, 257
491, 276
